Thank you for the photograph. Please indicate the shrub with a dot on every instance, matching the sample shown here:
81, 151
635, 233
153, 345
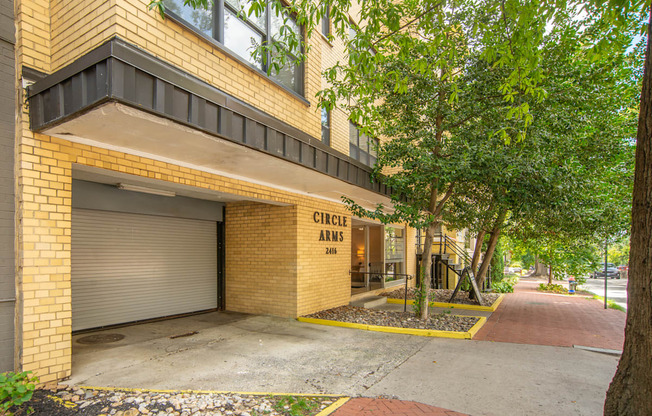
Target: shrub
15, 389
504, 286
553, 287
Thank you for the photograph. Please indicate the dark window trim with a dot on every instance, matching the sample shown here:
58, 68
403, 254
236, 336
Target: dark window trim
360, 149
218, 39
327, 127
326, 23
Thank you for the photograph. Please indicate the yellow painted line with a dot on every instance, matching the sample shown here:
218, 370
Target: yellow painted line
333, 407
241, 393
391, 329
491, 308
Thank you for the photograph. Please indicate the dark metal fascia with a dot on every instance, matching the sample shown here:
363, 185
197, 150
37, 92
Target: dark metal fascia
32, 74
129, 56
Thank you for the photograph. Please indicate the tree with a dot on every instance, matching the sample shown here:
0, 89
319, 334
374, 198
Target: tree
516, 48
630, 391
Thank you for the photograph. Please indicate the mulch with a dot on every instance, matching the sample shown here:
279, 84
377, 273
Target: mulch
70, 401
358, 315
444, 296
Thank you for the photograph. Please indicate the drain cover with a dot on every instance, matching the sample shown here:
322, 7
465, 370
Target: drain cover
100, 338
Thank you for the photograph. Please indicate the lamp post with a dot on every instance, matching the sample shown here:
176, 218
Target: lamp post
605, 272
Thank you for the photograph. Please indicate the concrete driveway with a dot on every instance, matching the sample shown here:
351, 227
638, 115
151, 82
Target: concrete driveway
236, 352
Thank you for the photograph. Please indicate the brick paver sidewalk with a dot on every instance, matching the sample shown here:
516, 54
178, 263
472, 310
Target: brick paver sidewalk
528, 316
384, 407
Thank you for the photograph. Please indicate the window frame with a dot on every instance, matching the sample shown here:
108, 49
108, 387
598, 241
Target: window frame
368, 151
326, 22
217, 38
326, 128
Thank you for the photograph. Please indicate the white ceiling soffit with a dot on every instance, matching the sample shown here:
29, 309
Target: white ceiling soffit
125, 129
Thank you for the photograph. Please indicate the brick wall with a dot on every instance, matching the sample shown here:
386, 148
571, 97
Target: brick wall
323, 266
274, 261
261, 258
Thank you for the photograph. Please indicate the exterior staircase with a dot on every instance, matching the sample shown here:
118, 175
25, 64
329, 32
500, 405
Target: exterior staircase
447, 255
369, 301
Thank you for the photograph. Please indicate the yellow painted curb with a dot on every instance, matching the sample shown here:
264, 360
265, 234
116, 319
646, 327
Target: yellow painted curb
491, 308
333, 407
475, 328
394, 330
242, 393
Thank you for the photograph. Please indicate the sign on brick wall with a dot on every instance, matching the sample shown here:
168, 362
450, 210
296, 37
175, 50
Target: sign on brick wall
332, 231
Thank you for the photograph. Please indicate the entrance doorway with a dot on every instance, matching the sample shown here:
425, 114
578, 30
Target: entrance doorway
377, 256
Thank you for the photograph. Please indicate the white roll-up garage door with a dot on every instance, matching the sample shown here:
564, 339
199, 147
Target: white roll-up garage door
129, 267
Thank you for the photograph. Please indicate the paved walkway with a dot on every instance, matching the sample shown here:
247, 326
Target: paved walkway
384, 407
531, 317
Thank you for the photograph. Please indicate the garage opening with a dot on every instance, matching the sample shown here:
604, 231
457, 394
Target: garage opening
137, 257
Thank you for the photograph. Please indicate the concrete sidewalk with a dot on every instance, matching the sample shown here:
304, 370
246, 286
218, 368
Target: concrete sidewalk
528, 316
240, 353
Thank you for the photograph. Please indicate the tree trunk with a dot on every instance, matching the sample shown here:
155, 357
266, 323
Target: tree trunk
477, 251
630, 392
539, 268
550, 275
426, 266
491, 246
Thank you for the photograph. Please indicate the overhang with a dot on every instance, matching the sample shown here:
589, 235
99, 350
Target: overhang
120, 97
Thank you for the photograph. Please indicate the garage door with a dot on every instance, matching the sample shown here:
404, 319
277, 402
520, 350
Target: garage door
129, 267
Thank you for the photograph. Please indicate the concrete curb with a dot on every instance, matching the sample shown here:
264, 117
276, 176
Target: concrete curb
244, 393
333, 407
491, 308
406, 331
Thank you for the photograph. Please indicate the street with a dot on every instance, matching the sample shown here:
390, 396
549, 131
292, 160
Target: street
616, 289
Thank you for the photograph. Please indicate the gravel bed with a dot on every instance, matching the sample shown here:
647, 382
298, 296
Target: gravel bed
65, 401
358, 315
443, 295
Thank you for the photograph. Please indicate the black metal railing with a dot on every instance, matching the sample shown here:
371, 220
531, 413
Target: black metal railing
449, 246
382, 279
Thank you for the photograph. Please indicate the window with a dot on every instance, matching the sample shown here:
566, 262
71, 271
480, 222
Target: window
394, 252
242, 34
361, 147
326, 23
326, 126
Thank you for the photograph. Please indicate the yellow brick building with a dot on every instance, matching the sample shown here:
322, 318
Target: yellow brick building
160, 171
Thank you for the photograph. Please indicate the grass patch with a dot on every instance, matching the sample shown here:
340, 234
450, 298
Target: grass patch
610, 303
296, 406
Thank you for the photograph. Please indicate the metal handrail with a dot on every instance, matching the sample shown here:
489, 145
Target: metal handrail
446, 242
403, 275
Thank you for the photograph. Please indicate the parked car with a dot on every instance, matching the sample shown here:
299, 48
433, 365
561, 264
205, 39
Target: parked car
623, 268
612, 272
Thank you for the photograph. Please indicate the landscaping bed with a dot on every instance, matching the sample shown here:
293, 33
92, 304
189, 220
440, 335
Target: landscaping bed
443, 296
358, 315
67, 401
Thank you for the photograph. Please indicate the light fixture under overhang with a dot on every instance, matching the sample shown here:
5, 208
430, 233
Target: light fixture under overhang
145, 190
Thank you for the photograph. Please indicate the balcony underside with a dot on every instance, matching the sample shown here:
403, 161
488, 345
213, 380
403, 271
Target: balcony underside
122, 98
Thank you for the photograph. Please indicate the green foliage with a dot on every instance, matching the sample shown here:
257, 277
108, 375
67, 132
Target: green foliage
15, 389
618, 252
295, 406
553, 287
502, 286
498, 263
